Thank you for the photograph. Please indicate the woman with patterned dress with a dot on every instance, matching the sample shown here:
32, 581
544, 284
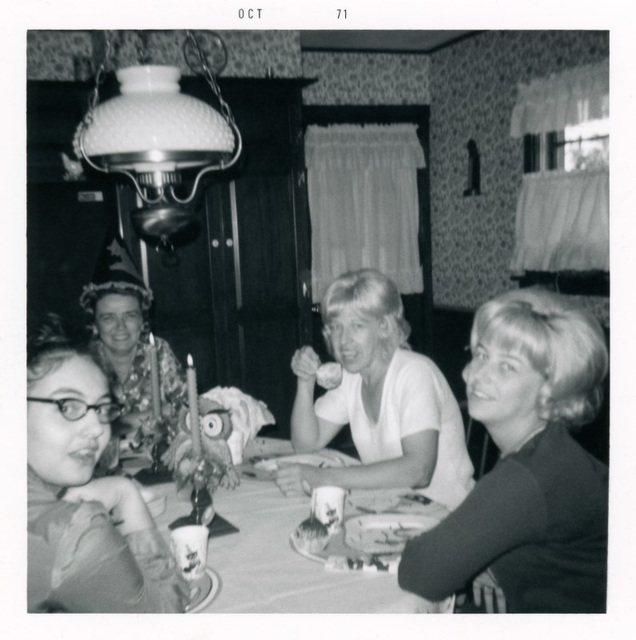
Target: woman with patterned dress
117, 302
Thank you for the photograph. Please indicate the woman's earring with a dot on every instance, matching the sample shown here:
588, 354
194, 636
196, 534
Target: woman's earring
94, 331
545, 402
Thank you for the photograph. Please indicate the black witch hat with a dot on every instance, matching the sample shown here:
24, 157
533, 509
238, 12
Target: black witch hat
115, 270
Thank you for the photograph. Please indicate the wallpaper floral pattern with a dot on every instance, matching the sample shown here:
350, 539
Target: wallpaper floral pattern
362, 79
50, 54
473, 89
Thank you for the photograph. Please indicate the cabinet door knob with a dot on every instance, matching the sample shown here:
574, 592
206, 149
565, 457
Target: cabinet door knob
215, 243
229, 242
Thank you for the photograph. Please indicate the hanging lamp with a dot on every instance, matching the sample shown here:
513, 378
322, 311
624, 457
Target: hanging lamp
152, 132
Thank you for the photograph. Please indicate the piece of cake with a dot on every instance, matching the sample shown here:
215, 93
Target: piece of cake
311, 535
329, 375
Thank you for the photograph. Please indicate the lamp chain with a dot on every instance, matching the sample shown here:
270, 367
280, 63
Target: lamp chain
207, 73
143, 55
93, 99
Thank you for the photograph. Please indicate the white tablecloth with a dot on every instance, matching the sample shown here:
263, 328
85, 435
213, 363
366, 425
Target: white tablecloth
260, 571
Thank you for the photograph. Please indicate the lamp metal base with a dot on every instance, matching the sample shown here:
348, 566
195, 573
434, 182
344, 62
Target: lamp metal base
165, 224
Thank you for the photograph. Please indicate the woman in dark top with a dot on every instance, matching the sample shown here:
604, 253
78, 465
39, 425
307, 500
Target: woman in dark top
533, 532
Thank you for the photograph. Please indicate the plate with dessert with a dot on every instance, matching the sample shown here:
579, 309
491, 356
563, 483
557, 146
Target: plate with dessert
311, 539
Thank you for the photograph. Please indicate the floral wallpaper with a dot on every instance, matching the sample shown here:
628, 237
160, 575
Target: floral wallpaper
52, 55
473, 88
363, 79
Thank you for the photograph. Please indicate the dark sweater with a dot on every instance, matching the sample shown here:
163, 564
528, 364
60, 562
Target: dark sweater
538, 520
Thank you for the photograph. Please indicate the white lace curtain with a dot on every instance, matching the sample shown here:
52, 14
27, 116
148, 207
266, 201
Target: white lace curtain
363, 200
565, 99
563, 222
562, 218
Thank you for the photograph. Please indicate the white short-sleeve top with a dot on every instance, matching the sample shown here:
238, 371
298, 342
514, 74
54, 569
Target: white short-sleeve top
415, 397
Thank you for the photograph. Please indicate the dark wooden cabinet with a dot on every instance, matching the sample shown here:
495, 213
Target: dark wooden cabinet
67, 224
236, 297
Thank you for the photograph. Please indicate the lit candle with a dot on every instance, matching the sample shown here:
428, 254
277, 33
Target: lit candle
193, 400
154, 379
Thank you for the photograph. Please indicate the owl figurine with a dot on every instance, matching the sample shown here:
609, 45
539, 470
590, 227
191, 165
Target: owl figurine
215, 467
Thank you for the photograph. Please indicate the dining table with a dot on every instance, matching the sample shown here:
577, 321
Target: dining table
252, 563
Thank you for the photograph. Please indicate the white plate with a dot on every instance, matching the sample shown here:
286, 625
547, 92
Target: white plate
203, 591
322, 459
370, 503
390, 501
386, 532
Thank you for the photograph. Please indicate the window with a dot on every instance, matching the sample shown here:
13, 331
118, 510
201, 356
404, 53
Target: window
579, 147
562, 216
363, 201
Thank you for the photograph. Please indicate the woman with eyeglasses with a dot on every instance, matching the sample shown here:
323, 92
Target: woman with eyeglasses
92, 544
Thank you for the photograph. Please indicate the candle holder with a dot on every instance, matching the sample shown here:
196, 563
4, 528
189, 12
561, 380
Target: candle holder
199, 477
154, 439
157, 451
202, 506
202, 510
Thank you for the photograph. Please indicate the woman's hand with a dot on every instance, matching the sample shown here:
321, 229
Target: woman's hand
120, 496
297, 479
485, 582
305, 363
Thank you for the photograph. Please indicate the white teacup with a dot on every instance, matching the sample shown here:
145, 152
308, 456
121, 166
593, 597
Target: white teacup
190, 550
327, 505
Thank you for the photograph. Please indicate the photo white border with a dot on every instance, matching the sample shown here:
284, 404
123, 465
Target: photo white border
394, 14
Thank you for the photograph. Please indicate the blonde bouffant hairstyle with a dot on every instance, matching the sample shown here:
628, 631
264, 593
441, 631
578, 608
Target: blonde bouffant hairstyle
563, 342
371, 294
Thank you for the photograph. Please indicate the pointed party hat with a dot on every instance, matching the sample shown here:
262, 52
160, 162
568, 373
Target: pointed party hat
115, 270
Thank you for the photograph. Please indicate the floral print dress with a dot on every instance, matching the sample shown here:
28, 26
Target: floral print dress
135, 393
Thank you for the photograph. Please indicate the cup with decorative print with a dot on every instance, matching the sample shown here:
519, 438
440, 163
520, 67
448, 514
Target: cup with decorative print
190, 550
327, 505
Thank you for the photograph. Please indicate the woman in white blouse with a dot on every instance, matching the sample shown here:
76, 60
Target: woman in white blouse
405, 422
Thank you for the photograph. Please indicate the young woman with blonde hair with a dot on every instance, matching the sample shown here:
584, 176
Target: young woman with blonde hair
533, 532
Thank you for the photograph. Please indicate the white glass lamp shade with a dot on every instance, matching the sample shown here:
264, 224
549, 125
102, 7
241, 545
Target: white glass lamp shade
152, 127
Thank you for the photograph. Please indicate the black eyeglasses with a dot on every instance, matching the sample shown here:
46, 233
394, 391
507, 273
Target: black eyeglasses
73, 409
